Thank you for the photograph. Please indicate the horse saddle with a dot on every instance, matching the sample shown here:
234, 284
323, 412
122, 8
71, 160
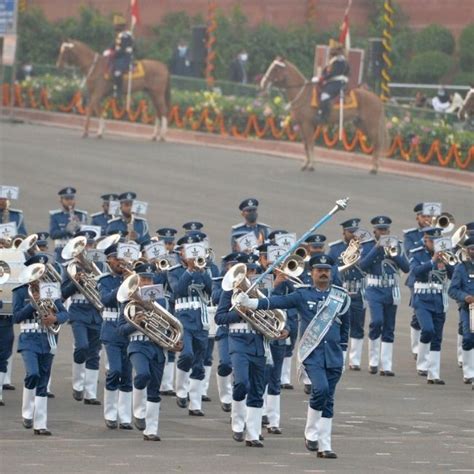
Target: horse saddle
350, 100
138, 71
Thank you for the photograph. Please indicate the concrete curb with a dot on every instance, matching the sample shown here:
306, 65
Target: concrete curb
268, 147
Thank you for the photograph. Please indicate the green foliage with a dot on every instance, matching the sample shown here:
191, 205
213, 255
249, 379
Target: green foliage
435, 38
464, 78
377, 22
466, 49
402, 50
429, 67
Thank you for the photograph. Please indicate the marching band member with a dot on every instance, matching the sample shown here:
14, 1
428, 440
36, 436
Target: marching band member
323, 360
86, 323
102, 218
462, 290
429, 276
134, 227
37, 347
7, 214
192, 288
64, 223
353, 282
118, 383
382, 294
413, 238
248, 208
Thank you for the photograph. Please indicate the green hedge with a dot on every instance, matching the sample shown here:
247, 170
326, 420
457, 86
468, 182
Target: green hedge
429, 67
435, 38
466, 49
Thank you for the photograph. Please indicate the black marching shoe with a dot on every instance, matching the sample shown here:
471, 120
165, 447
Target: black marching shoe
307, 388
287, 386
51, 395
373, 369
436, 382
327, 454
226, 407
274, 430
27, 423
255, 443
238, 436
196, 413
43, 432
205, 398
265, 421
168, 393
311, 445
468, 380
2, 403
92, 401
140, 423
78, 395
125, 426
354, 367
181, 402
261, 438
422, 373
151, 438
111, 425
8, 386
387, 373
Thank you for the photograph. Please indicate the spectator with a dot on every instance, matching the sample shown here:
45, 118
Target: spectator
180, 64
420, 99
441, 101
239, 67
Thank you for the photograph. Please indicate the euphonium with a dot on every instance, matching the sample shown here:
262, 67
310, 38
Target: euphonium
351, 255
269, 323
86, 284
159, 324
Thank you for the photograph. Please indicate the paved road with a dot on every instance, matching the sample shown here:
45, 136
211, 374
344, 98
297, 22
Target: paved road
393, 425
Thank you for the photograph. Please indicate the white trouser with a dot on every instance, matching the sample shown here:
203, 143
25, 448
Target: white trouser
224, 387
286, 371
207, 377
306, 379
139, 403
253, 424
459, 349
434, 363
2, 379
311, 428
78, 376
423, 353
110, 404
168, 377
468, 364
152, 418
324, 434
374, 352
182, 383
386, 355
355, 352
28, 403
239, 413
273, 410
195, 394
40, 417
125, 407
264, 410
8, 376
415, 339
90, 384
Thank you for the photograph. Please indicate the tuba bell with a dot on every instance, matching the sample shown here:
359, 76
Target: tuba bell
269, 323
159, 324
78, 263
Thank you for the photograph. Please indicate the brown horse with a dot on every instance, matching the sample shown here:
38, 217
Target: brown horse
369, 113
155, 81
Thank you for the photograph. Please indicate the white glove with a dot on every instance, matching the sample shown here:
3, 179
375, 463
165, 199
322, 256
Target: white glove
315, 79
344, 355
242, 299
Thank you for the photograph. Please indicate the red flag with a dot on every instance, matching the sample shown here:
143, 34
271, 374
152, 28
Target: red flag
345, 35
134, 12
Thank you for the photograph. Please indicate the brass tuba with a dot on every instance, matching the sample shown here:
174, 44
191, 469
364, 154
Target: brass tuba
159, 324
78, 263
269, 323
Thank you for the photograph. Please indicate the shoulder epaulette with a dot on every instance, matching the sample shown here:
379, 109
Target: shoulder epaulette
80, 211
55, 211
114, 219
174, 268
15, 210
331, 244
416, 249
236, 226
97, 214
409, 231
219, 278
368, 241
263, 224
139, 218
103, 275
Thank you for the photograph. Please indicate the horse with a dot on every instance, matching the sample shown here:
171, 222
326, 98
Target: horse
368, 114
155, 81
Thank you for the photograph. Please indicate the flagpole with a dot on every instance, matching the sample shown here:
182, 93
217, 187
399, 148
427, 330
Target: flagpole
130, 72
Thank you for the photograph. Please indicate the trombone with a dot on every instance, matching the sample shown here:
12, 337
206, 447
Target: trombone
293, 267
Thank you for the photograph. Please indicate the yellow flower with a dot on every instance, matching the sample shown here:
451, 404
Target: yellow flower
277, 100
395, 120
249, 108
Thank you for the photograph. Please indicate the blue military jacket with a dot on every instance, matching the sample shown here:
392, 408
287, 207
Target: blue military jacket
192, 292
16, 216
307, 301
118, 225
352, 279
58, 220
412, 238
80, 309
25, 315
108, 286
241, 340
260, 230
462, 283
101, 219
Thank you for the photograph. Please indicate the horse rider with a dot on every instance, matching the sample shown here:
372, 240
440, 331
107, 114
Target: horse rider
122, 53
332, 81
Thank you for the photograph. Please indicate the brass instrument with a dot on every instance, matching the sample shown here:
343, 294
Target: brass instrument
158, 324
293, 267
130, 226
200, 262
74, 224
163, 264
303, 253
448, 257
459, 237
462, 255
445, 220
351, 255
34, 274
78, 263
392, 250
108, 241
6, 212
269, 323
5, 272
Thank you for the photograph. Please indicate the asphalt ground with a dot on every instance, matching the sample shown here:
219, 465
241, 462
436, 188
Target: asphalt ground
381, 424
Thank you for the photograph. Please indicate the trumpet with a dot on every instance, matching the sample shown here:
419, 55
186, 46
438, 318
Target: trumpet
391, 251
163, 264
448, 258
158, 324
445, 220
87, 284
293, 266
200, 262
